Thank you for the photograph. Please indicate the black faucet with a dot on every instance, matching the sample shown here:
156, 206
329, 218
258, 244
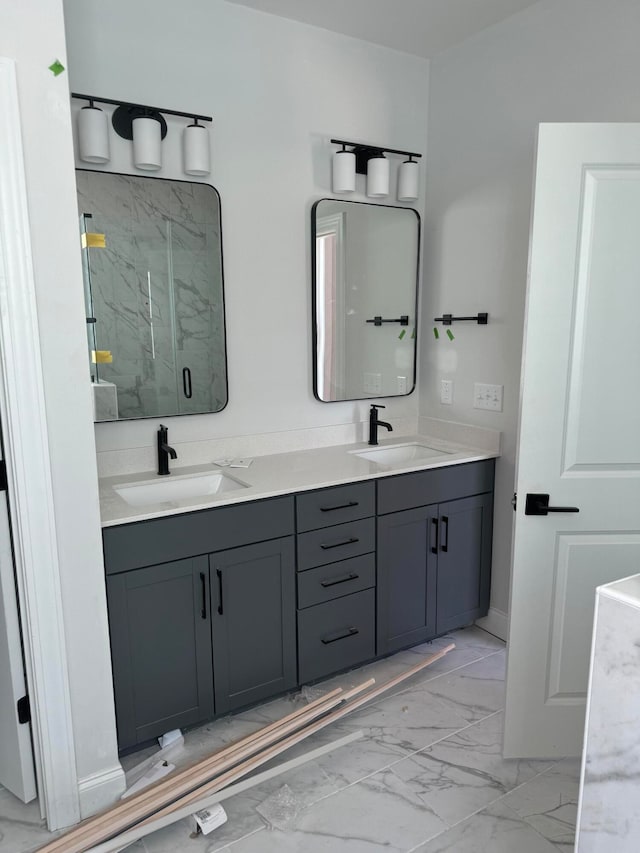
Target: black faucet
374, 423
164, 451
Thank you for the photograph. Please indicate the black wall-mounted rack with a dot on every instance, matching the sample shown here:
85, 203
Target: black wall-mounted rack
378, 321
447, 319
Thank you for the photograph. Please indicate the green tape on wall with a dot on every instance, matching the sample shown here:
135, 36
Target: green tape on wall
450, 334
402, 334
436, 333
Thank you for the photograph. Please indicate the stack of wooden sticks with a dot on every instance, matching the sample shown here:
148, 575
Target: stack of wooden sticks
189, 786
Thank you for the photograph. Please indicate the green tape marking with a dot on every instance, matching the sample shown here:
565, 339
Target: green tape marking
402, 334
450, 334
436, 333
56, 68
413, 333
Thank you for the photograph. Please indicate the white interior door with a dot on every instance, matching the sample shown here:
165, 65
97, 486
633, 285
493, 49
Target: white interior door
16, 754
579, 438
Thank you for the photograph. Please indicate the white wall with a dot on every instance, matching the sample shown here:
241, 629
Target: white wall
560, 60
278, 90
32, 33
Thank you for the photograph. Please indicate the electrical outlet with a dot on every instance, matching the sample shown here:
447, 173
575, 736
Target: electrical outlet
446, 391
402, 384
372, 384
487, 397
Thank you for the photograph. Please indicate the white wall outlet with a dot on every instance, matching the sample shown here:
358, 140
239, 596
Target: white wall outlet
372, 384
487, 397
446, 391
402, 384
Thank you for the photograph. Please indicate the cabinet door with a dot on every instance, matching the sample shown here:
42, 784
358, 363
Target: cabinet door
464, 561
161, 648
254, 607
406, 578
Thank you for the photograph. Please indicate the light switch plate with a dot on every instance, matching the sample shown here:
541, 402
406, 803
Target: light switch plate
446, 391
402, 384
487, 396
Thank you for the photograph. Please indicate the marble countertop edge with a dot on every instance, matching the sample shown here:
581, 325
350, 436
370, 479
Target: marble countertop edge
280, 474
625, 590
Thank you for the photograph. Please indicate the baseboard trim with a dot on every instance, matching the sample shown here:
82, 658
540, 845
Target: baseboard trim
100, 790
495, 622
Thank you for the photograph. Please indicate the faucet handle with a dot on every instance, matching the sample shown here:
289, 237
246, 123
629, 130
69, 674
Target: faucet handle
377, 406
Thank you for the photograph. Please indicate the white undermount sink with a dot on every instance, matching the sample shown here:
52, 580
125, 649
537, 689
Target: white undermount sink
396, 454
176, 488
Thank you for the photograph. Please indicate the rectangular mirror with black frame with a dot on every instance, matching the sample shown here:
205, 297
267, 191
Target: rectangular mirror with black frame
154, 295
365, 292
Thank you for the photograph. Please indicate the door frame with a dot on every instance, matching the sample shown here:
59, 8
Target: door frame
30, 491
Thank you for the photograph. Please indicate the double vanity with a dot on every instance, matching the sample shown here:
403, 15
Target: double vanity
227, 586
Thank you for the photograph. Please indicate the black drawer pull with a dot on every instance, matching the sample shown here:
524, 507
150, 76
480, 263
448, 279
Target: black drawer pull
343, 579
445, 533
340, 544
186, 383
434, 535
338, 506
341, 635
220, 609
203, 583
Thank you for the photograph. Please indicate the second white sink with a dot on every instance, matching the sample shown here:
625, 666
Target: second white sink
396, 454
175, 488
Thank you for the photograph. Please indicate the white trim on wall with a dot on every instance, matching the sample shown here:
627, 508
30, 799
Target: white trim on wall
495, 622
29, 479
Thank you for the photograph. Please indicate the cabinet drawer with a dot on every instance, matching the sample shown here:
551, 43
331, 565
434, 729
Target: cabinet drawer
325, 583
405, 491
336, 543
174, 537
336, 635
334, 506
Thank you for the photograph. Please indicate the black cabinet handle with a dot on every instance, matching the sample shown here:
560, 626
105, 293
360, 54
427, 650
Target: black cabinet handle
336, 581
434, 535
203, 586
341, 635
186, 383
219, 573
445, 533
537, 504
339, 544
338, 506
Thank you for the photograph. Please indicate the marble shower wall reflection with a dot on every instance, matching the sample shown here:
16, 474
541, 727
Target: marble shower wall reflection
155, 290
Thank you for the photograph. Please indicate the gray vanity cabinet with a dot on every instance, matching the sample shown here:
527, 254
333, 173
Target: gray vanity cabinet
254, 628
434, 553
161, 648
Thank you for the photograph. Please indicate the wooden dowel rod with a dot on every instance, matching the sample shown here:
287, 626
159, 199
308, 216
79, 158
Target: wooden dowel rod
140, 805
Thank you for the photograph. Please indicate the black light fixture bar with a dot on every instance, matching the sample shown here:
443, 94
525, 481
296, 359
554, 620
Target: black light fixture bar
128, 105
447, 319
365, 152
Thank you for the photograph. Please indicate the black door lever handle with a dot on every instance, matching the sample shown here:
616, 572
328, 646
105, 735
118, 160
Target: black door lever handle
537, 504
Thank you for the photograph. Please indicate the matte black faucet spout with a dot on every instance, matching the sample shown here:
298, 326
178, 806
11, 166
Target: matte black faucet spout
374, 423
164, 450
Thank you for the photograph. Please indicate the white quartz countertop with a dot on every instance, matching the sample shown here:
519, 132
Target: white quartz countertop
626, 590
281, 474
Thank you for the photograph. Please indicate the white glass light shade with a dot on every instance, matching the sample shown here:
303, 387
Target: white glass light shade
195, 150
377, 177
344, 172
93, 135
408, 178
147, 143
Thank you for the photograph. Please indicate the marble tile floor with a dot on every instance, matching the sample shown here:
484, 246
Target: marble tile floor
427, 777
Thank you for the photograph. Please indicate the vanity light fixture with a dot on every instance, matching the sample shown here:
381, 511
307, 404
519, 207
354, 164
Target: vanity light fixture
408, 179
371, 160
378, 176
93, 135
146, 127
344, 171
196, 154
